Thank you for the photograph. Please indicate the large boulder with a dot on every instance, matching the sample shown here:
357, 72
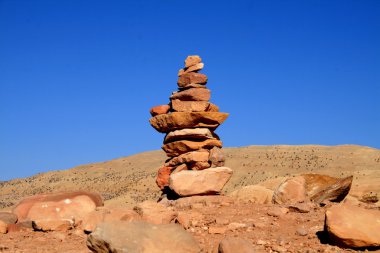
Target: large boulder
52, 209
141, 237
165, 123
208, 181
253, 194
292, 191
352, 226
189, 133
189, 106
177, 148
192, 94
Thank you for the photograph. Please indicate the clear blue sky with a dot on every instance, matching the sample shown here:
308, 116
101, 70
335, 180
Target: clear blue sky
77, 78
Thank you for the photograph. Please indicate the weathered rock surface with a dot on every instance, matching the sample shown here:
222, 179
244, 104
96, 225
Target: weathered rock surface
189, 106
199, 165
179, 120
353, 227
189, 134
141, 237
154, 212
193, 68
208, 181
163, 175
292, 191
217, 157
192, 94
212, 108
53, 224
160, 109
105, 214
322, 187
192, 60
193, 156
56, 207
191, 78
8, 218
177, 148
235, 244
253, 194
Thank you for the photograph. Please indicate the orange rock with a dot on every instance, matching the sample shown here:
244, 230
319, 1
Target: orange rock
21, 226
3, 227
199, 165
53, 225
8, 218
192, 94
163, 175
292, 191
190, 134
177, 148
216, 157
235, 244
212, 108
49, 210
159, 109
165, 123
192, 60
189, 106
154, 212
193, 68
193, 156
353, 227
191, 78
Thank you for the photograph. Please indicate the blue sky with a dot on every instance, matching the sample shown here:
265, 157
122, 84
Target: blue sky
77, 78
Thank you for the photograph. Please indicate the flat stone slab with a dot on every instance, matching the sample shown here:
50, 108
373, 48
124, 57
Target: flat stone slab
165, 123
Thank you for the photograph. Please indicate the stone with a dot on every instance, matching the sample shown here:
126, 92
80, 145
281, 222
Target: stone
3, 227
53, 225
302, 207
192, 60
193, 68
162, 179
217, 158
353, 227
189, 134
8, 218
180, 167
277, 211
208, 181
138, 237
57, 207
160, 109
108, 215
20, 227
322, 187
292, 191
189, 106
177, 148
192, 94
235, 244
189, 157
253, 194
301, 231
187, 79
212, 108
165, 123
199, 165
154, 212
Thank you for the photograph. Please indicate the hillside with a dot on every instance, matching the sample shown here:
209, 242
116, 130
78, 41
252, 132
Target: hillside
127, 180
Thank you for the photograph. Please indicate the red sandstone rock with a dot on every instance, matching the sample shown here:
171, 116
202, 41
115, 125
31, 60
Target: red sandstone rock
216, 157
159, 109
189, 106
155, 213
292, 191
212, 108
3, 227
192, 94
199, 165
189, 134
163, 175
177, 148
192, 60
194, 68
8, 218
235, 244
189, 157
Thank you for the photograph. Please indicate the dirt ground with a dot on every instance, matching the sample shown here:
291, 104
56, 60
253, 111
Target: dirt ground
265, 226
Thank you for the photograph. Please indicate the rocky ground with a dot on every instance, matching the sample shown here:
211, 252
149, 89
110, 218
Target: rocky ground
266, 227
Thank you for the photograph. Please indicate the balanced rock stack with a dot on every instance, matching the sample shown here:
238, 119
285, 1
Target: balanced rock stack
195, 164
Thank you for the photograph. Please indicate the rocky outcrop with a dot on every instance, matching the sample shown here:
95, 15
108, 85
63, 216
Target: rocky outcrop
352, 226
138, 236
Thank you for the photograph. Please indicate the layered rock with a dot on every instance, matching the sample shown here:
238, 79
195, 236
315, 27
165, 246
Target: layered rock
195, 164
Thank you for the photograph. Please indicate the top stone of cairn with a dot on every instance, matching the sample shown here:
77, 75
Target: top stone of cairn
192, 60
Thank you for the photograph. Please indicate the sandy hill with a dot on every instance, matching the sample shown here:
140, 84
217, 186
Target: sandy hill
127, 180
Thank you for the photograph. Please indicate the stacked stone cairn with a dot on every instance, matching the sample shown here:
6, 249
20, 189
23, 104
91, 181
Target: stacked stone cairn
195, 164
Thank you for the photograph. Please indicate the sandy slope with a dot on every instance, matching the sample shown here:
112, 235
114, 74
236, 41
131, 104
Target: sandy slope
127, 180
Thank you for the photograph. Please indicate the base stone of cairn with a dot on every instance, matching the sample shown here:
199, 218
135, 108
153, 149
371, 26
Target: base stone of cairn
195, 164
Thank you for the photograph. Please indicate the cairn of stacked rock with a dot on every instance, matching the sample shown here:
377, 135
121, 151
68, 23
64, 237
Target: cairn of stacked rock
195, 164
